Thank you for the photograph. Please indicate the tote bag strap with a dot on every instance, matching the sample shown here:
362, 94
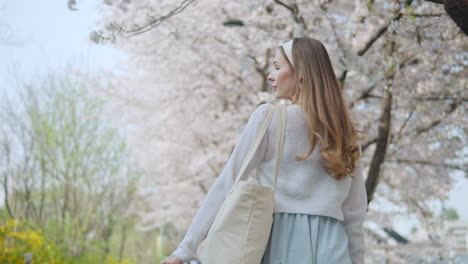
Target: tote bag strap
253, 147
279, 142
260, 133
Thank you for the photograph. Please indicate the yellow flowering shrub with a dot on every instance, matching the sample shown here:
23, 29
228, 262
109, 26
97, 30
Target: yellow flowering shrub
16, 239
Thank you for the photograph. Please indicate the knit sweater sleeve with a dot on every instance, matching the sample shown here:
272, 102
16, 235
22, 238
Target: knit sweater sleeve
187, 248
354, 212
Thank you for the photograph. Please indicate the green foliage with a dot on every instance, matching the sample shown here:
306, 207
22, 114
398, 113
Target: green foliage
95, 259
410, 13
111, 260
451, 214
76, 182
369, 4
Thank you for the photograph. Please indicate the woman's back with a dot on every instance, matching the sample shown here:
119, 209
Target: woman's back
302, 186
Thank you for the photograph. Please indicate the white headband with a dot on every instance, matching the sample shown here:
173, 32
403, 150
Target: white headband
287, 47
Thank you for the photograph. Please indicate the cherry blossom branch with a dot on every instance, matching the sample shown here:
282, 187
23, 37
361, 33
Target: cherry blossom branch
154, 21
114, 28
429, 163
377, 35
419, 130
381, 31
442, 98
295, 11
285, 6
436, 122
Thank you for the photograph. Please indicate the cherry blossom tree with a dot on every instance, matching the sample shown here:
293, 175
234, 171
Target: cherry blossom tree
197, 69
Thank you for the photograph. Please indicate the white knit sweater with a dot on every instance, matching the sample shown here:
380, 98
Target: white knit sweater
302, 186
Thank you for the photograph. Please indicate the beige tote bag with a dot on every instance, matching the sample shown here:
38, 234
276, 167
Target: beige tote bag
241, 229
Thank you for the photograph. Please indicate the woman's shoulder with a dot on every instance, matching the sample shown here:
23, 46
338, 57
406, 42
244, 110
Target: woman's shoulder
261, 109
258, 114
263, 106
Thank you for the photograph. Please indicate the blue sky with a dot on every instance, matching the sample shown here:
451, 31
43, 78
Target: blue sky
47, 35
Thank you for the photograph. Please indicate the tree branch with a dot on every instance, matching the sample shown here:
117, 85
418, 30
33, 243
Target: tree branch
150, 25
98, 37
380, 32
285, 6
295, 11
436, 122
442, 98
428, 15
436, 1
429, 163
381, 148
367, 144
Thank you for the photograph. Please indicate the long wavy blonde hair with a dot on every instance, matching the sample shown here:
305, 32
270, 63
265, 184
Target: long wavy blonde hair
327, 117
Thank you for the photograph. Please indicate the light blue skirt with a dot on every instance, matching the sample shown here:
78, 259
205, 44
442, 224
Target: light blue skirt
305, 238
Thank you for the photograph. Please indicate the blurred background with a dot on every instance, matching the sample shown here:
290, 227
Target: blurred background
117, 116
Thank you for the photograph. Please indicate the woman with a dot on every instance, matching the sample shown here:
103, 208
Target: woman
320, 200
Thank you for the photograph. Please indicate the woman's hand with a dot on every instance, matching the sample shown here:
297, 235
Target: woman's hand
172, 259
